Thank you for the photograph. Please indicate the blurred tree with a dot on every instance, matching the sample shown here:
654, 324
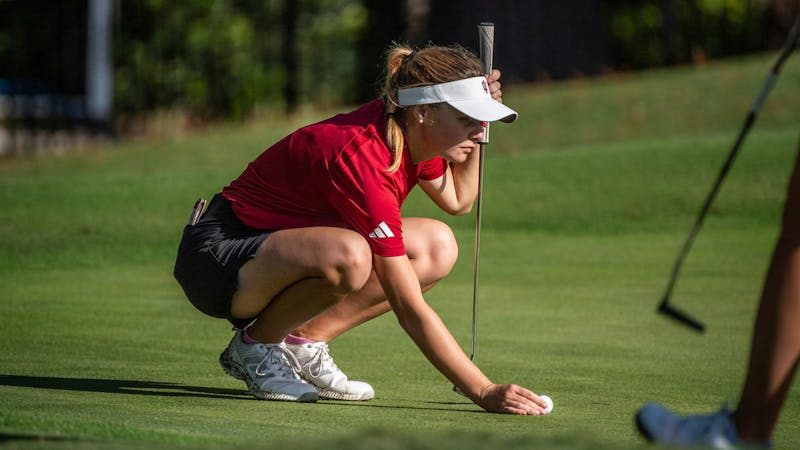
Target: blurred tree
290, 54
647, 34
328, 33
221, 58
212, 58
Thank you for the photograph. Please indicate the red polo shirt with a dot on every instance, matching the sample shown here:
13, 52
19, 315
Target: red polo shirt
332, 173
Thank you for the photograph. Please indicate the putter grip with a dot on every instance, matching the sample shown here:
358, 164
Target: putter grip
486, 40
486, 47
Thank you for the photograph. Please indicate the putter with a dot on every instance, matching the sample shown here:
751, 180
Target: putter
486, 47
665, 307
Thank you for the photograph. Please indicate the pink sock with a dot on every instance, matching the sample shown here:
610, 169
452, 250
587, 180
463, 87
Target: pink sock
247, 339
297, 340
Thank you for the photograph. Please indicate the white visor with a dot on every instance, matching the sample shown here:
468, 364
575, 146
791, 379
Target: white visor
470, 96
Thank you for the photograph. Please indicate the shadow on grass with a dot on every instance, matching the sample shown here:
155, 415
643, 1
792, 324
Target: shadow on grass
122, 387
8, 437
178, 390
472, 408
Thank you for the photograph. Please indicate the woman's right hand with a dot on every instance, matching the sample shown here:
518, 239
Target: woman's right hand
494, 85
510, 399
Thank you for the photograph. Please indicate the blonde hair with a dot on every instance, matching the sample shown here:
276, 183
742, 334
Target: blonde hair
406, 67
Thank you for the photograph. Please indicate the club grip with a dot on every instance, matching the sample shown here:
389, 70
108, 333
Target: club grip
486, 43
486, 48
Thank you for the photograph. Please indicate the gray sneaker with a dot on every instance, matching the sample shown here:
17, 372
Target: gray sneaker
269, 370
317, 367
659, 425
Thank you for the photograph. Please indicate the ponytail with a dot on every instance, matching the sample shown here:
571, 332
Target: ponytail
395, 58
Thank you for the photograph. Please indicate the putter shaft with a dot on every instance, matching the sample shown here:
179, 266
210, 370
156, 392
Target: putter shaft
665, 307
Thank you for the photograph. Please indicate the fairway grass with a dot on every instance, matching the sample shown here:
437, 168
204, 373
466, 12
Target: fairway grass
99, 348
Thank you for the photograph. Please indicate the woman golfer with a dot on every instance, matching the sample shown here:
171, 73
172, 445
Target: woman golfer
308, 242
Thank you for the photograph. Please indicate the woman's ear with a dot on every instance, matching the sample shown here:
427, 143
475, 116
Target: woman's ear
420, 112
419, 115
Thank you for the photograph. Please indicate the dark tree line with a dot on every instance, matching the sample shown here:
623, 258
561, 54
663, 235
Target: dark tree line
223, 58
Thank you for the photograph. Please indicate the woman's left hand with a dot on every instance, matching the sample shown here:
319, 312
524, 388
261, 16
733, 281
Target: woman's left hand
494, 85
510, 399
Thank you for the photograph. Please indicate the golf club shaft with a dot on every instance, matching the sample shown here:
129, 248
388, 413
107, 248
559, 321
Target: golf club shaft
477, 264
665, 307
486, 47
486, 43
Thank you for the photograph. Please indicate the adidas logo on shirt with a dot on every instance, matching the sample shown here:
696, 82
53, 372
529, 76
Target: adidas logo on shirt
381, 231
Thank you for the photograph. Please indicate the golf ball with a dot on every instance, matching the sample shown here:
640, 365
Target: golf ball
549, 402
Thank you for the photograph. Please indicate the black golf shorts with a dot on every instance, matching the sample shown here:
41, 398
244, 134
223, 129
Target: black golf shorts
210, 255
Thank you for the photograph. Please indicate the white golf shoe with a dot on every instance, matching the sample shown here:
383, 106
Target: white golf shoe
317, 367
270, 370
659, 425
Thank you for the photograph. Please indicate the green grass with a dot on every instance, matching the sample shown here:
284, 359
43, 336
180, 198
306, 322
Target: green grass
587, 200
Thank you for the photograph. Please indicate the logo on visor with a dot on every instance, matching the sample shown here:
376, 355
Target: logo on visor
485, 86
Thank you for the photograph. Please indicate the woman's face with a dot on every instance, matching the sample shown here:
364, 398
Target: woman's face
449, 133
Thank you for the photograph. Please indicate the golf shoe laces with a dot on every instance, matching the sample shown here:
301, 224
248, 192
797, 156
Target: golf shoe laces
278, 360
321, 361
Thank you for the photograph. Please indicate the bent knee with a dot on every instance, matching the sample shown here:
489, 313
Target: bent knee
442, 247
351, 263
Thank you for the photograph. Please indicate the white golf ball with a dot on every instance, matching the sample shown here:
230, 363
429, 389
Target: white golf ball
549, 402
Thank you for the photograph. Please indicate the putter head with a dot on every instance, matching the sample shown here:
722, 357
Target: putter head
670, 311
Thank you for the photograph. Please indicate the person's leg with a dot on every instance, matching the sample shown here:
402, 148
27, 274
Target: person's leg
776, 337
297, 274
294, 275
432, 249
774, 356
